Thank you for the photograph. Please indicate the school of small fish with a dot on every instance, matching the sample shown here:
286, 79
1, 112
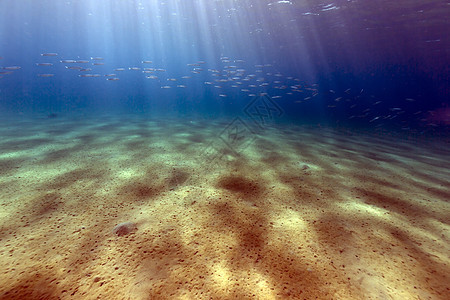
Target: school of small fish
233, 80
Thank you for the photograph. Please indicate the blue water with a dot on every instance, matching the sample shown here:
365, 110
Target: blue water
255, 149
375, 64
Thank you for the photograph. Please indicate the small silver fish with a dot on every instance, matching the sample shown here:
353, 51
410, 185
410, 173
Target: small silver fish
89, 75
74, 68
12, 68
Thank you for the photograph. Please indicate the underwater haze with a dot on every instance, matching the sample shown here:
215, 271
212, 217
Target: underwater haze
370, 63
224, 149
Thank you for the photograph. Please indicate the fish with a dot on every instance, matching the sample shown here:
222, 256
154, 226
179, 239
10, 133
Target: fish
97, 58
12, 68
49, 54
44, 64
74, 68
46, 75
89, 75
112, 79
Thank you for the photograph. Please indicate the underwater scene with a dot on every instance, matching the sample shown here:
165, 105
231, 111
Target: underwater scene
224, 149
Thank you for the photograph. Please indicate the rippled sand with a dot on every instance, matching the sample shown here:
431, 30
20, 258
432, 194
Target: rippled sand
222, 210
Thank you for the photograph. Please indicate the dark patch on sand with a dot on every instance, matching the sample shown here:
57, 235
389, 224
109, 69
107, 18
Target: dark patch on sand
33, 285
141, 190
245, 187
177, 179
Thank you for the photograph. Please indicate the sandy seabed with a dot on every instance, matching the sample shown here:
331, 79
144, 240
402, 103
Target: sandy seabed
222, 211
